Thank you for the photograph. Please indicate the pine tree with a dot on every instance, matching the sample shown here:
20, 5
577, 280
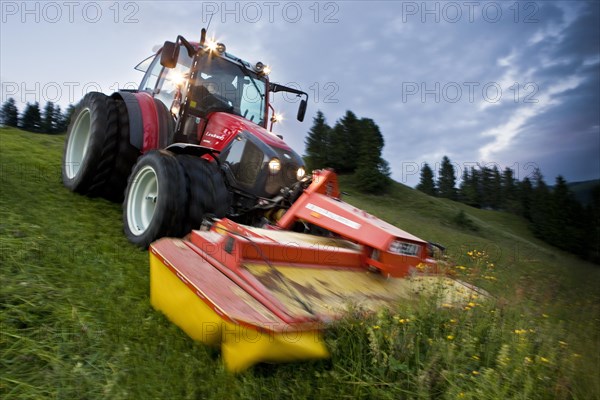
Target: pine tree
447, 180
67, 117
426, 184
372, 172
592, 232
567, 220
509, 191
345, 144
470, 187
32, 120
317, 143
526, 197
59, 120
48, 118
9, 114
540, 206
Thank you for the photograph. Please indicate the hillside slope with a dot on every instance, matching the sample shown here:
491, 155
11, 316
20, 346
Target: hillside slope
76, 321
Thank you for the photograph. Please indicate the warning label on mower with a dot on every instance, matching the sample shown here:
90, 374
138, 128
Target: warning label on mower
333, 216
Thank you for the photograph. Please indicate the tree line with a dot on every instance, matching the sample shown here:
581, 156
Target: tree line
49, 120
352, 145
553, 213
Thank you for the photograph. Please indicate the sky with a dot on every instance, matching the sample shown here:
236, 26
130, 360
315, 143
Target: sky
504, 83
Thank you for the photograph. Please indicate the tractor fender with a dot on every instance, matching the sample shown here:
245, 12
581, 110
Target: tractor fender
150, 124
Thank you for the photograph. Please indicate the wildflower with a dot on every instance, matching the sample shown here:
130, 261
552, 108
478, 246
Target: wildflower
453, 321
446, 305
520, 331
450, 337
475, 357
545, 315
471, 304
528, 360
563, 344
467, 308
544, 360
461, 395
461, 267
376, 327
475, 373
576, 355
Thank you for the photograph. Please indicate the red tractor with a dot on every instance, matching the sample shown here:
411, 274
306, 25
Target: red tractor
192, 141
284, 256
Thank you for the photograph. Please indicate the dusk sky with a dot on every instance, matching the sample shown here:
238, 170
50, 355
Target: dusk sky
515, 84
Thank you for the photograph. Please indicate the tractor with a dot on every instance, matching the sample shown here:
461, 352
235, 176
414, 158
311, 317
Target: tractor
191, 142
247, 251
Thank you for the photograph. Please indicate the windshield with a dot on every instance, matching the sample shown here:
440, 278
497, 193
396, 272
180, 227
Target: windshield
223, 85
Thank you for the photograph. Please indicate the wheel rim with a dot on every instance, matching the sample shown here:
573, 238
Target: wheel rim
141, 202
77, 146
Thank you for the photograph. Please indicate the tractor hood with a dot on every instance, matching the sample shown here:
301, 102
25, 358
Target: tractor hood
255, 160
223, 127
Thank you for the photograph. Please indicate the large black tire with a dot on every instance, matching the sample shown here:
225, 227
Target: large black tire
156, 200
90, 145
127, 154
206, 190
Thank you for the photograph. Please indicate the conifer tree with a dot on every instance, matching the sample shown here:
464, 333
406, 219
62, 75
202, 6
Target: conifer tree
426, 183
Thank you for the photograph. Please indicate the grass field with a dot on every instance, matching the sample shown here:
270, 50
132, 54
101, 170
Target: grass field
76, 322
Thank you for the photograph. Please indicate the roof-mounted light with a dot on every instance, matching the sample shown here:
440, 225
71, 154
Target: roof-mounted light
221, 48
262, 68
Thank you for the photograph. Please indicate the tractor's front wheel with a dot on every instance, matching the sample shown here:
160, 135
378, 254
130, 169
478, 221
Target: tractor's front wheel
208, 194
90, 145
155, 200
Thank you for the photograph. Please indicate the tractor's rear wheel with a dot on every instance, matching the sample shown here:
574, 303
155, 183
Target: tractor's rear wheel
155, 200
206, 190
89, 151
127, 154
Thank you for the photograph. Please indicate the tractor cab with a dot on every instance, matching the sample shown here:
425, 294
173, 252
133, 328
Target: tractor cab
193, 80
215, 104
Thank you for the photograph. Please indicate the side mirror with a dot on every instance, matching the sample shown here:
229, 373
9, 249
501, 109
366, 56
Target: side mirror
301, 110
169, 55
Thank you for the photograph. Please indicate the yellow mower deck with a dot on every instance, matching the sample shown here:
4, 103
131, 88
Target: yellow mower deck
262, 296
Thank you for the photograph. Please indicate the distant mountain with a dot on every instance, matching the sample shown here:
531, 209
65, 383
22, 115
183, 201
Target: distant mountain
583, 190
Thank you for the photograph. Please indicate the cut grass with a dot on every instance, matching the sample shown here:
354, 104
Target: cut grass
76, 321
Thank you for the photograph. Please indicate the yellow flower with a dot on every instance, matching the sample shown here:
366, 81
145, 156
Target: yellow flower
376, 327
475, 357
528, 360
461, 395
545, 360
450, 337
545, 315
520, 331
453, 321
475, 373
471, 304
563, 344
467, 308
446, 305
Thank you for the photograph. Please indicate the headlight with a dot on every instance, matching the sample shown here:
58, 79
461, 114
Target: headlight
404, 248
300, 173
274, 166
220, 48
